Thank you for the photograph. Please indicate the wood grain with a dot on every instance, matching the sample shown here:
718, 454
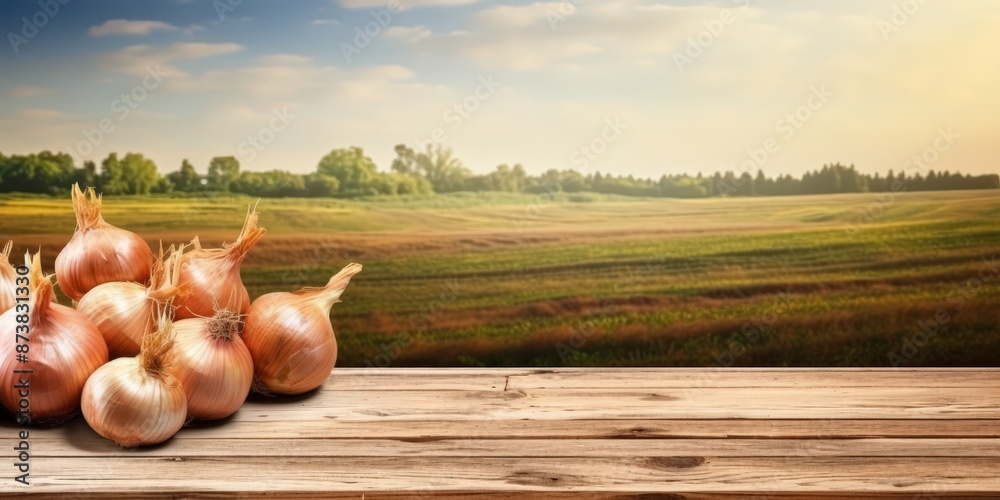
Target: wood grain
562, 433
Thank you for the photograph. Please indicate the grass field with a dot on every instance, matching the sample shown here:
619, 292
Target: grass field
495, 279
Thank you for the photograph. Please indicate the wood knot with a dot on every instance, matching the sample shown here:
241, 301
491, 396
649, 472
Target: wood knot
534, 478
660, 397
675, 462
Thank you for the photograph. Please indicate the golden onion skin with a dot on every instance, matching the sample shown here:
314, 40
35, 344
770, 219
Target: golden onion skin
212, 276
290, 337
65, 348
215, 284
99, 252
124, 403
291, 341
122, 312
215, 371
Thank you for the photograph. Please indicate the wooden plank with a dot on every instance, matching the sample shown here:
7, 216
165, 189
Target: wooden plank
543, 495
564, 433
558, 429
92, 445
448, 379
701, 378
640, 474
710, 403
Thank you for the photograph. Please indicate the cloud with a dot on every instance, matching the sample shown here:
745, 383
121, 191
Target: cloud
42, 114
404, 4
137, 59
516, 16
191, 30
284, 77
407, 33
28, 91
124, 27
561, 35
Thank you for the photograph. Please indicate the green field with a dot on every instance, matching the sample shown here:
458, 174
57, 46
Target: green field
494, 279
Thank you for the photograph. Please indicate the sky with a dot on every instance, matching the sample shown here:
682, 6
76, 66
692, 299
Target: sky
641, 87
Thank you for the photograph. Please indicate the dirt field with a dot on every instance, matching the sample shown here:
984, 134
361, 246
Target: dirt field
844, 280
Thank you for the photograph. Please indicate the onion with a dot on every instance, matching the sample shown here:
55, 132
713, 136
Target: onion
124, 311
64, 348
212, 364
136, 401
213, 275
290, 336
99, 252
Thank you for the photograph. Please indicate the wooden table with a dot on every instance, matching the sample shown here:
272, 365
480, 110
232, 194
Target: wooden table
565, 433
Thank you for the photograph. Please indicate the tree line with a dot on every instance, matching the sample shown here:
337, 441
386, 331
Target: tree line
348, 172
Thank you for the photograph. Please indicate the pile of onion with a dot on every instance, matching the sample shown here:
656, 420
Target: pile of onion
290, 336
99, 252
64, 349
213, 275
184, 339
136, 401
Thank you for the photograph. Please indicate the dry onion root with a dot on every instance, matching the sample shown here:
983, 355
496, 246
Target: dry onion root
290, 337
8, 279
65, 349
99, 252
212, 364
136, 401
213, 275
124, 311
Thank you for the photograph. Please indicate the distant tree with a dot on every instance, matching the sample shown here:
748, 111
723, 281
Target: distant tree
570, 180
112, 179
140, 174
86, 176
439, 166
394, 183
353, 170
43, 172
405, 161
271, 184
319, 185
222, 171
760, 184
163, 186
186, 179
